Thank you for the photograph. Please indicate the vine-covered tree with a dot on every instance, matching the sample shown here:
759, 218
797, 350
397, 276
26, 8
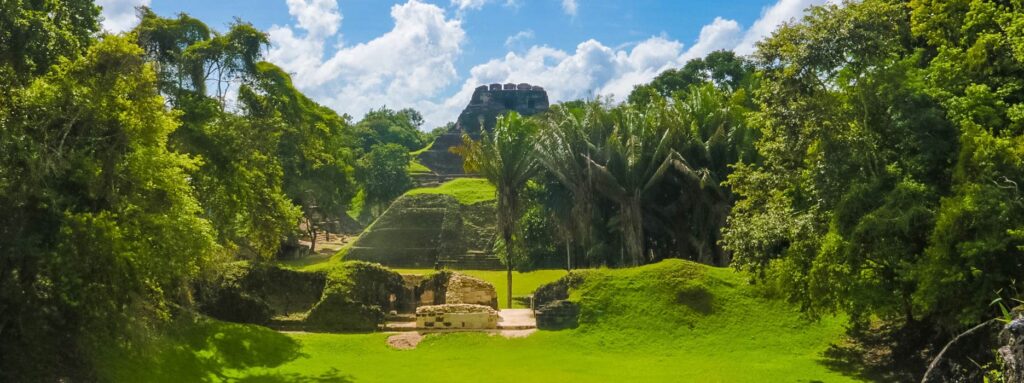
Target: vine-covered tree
100, 234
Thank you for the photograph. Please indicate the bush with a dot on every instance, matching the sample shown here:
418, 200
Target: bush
336, 312
249, 293
232, 304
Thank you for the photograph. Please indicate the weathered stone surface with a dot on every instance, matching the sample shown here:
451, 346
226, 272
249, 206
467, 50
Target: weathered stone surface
486, 104
557, 290
558, 315
456, 316
1012, 351
466, 289
429, 231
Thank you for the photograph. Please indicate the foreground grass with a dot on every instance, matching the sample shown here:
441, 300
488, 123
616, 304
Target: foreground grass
669, 322
467, 191
523, 284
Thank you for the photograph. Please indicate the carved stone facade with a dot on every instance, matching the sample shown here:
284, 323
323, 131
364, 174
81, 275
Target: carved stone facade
487, 103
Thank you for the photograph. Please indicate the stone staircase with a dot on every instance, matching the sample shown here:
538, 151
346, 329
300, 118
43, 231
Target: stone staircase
474, 260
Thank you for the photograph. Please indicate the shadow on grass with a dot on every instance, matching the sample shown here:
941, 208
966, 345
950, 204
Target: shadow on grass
332, 376
205, 350
885, 352
697, 298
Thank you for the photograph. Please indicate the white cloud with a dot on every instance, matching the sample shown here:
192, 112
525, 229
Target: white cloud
405, 67
413, 63
720, 34
468, 4
570, 7
773, 17
595, 69
516, 41
119, 15
320, 18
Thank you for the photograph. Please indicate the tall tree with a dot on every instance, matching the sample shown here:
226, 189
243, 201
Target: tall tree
34, 35
101, 234
383, 173
506, 159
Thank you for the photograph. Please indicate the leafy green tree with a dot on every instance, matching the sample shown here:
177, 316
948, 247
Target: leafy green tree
722, 68
101, 235
383, 174
387, 126
274, 157
977, 75
34, 35
506, 159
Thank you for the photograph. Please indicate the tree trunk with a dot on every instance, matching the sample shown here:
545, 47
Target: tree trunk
508, 302
633, 229
568, 257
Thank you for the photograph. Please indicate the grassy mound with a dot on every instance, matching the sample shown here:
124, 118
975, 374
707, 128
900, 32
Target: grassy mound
467, 191
674, 321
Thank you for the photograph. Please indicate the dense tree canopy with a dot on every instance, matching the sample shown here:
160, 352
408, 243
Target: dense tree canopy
890, 145
101, 231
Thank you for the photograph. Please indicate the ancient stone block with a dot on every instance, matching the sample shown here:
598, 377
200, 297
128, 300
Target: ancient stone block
466, 289
456, 316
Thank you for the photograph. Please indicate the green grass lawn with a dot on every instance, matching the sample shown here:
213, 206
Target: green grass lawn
523, 284
467, 191
670, 322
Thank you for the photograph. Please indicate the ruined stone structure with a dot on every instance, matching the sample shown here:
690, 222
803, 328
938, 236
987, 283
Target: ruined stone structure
430, 231
456, 316
466, 289
487, 103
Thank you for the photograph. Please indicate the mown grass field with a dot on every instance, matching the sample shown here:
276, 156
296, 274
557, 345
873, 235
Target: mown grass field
674, 321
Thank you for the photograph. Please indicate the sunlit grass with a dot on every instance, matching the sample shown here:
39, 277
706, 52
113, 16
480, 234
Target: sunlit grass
467, 191
671, 322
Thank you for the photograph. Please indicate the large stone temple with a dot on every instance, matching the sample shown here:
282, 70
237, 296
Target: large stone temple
437, 231
487, 103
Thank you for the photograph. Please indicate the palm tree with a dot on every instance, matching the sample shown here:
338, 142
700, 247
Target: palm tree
506, 159
563, 149
636, 158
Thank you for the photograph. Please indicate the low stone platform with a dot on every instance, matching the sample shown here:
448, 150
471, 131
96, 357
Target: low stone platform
456, 316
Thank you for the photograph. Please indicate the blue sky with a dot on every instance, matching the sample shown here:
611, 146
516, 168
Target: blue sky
361, 54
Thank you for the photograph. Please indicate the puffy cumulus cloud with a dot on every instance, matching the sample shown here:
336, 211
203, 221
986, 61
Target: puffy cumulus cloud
405, 67
773, 17
319, 18
570, 7
119, 15
595, 69
720, 34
